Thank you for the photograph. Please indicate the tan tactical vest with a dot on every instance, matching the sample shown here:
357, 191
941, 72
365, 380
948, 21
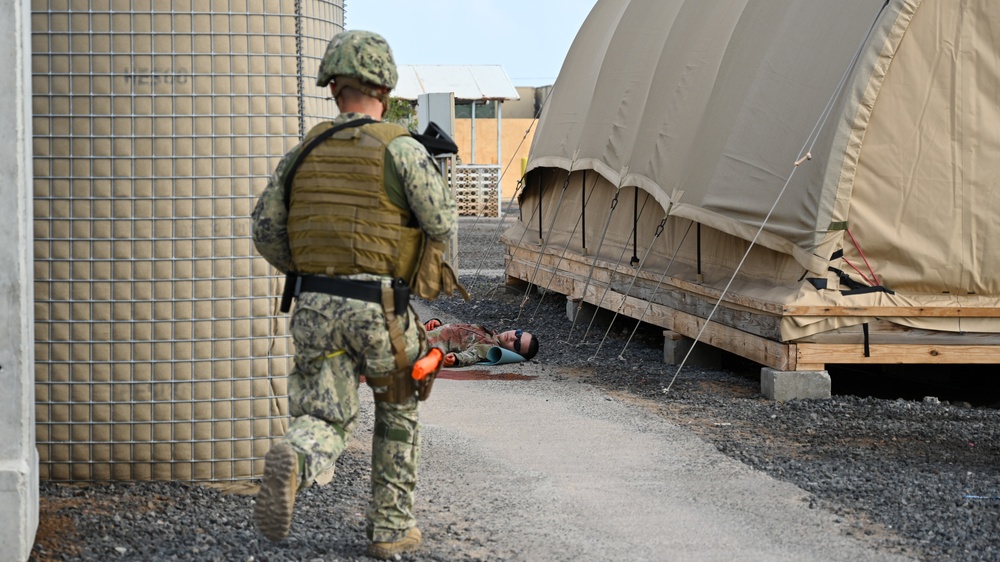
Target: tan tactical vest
340, 219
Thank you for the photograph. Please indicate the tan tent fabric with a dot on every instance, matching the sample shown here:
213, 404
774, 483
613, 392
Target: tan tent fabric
707, 107
925, 189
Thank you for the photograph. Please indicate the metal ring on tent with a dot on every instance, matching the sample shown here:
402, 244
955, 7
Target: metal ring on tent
545, 242
569, 240
659, 230
593, 265
608, 288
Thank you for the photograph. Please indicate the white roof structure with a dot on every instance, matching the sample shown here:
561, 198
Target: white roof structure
468, 82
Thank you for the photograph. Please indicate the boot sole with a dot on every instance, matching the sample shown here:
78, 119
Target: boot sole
276, 499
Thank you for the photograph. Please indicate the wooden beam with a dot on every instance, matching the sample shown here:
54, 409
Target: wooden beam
894, 311
885, 332
632, 307
580, 266
897, 354
760, 350
750, 328
730, 314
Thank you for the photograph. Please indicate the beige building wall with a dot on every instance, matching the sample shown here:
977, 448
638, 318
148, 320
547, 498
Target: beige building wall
524, 107
514, 147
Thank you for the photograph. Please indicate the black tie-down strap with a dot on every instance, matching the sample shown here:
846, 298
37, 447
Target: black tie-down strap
856, 288
853, 287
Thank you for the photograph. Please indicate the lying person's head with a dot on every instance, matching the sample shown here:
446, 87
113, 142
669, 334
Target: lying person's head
520, 342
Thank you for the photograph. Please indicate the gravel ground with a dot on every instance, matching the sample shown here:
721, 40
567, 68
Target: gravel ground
901, 454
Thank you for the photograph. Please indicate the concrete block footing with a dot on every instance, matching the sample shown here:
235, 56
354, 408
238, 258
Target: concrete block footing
677, 346
515, 286
575, 308
794, 385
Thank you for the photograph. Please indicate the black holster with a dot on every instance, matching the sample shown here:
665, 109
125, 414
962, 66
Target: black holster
290, 291
424, 386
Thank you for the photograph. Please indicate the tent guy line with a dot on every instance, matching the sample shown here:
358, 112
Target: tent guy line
604, 232
517, 189
659, 231
586, 200
548, 235
806, 152
608, 288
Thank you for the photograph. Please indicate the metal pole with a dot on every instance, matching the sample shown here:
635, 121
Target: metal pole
499, 113
472, 156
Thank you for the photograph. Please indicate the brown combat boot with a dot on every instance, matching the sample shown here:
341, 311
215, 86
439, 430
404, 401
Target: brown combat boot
388, 550
276, 498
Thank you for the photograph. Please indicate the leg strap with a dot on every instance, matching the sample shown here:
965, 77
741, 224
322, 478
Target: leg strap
395, 325
399, 384
393, 434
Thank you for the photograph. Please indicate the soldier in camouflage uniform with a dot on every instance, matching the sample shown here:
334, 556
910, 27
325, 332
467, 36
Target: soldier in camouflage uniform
338, 339
466, 344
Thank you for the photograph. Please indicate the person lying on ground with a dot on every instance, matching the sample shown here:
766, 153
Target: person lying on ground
466, 344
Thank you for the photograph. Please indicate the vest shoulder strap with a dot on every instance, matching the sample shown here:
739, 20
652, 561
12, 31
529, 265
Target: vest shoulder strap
312, 144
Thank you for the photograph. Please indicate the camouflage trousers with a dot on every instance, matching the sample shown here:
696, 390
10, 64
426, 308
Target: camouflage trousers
336, 341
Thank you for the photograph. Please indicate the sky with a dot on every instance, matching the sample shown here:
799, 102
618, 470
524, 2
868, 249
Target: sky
529, 38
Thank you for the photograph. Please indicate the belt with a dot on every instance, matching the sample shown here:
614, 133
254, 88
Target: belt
368, 291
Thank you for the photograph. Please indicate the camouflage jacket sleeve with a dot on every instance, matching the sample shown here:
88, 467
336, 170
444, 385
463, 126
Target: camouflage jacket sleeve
470, 343
467, 356
427, 193
449, 338
270, 219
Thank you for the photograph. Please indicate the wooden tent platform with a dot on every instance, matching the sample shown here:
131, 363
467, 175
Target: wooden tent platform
749, 327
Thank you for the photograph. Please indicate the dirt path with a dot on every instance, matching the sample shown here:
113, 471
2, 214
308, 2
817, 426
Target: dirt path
553, 468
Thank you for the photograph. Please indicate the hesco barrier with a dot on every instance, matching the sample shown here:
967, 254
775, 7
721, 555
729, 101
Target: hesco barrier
160, 353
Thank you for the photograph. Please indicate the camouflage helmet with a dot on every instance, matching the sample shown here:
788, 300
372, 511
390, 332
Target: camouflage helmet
359, 54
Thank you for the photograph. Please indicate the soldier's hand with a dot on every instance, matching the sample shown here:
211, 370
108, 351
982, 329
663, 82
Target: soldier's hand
449, 359
432, 324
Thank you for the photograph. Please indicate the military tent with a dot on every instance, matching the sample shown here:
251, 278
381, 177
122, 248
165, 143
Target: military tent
817, 178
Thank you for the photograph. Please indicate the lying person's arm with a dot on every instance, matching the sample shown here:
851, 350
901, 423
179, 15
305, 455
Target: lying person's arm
469, 356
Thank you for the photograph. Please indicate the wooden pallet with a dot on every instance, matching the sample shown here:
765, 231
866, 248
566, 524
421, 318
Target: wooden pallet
750, 327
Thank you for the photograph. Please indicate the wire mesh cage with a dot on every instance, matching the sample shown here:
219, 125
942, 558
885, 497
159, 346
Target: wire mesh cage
160, 353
